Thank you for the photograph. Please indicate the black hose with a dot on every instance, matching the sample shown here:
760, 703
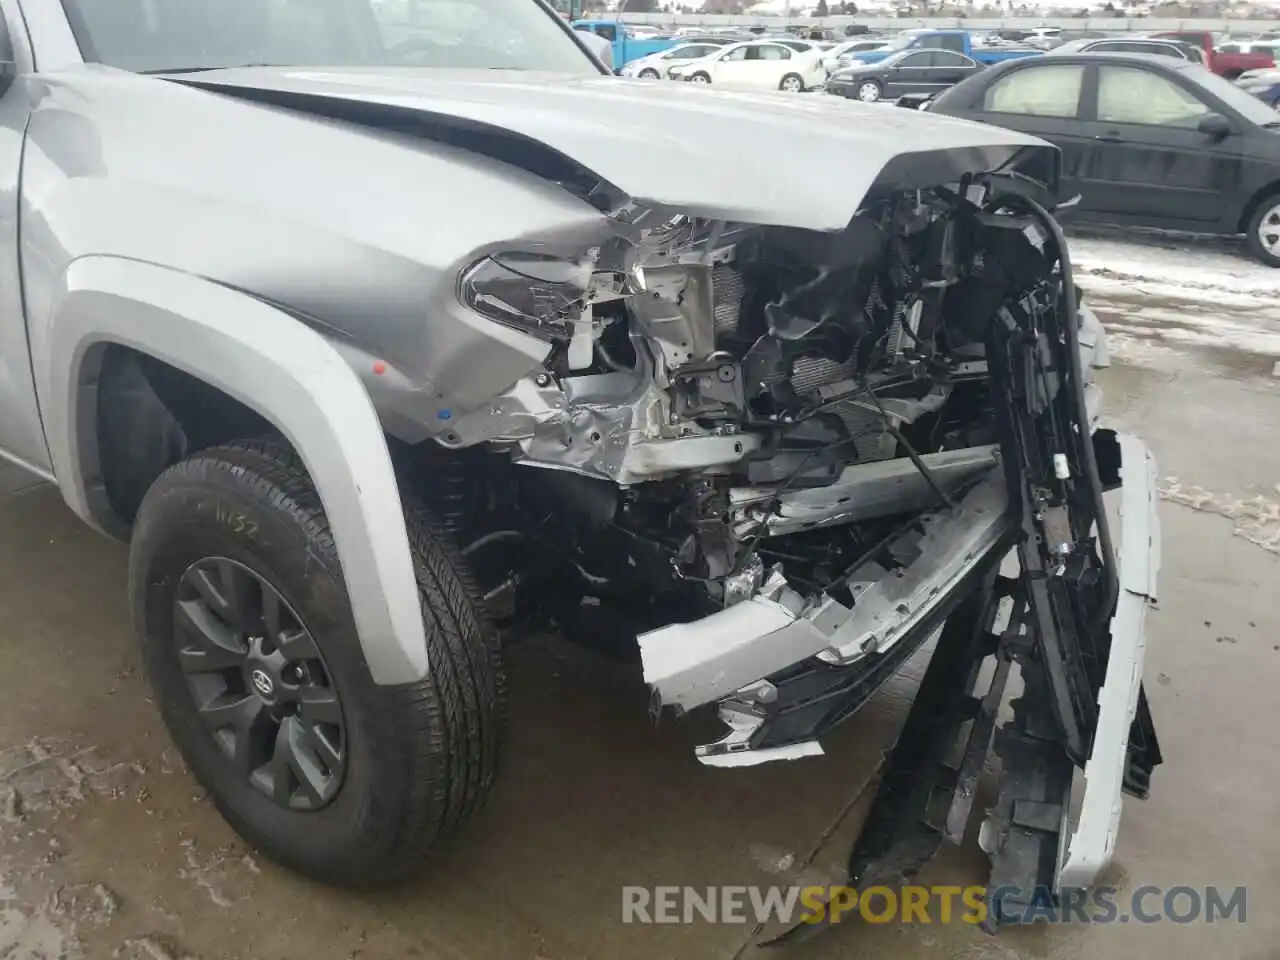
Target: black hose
1090, 462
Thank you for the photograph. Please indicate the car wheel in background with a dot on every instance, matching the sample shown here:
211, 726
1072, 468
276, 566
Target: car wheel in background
869, 91
1263, 232
700, 77
648, 74
792, 83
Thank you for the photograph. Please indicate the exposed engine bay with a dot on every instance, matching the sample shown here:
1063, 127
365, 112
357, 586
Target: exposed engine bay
754, 446
780, 461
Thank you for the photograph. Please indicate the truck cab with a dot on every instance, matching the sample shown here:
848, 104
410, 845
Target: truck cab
626, 45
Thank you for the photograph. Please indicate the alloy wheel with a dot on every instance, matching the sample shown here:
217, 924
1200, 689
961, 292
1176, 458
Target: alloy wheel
700, 78
869, 92
260, 684
1269, 231
791, 85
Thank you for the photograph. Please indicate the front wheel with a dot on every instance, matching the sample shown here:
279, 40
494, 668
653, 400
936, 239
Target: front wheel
792, 83
700, 77
869, 91
250, 646
1263, 232
648, 74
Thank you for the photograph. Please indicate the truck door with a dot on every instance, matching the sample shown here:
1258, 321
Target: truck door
611, 33
21, 432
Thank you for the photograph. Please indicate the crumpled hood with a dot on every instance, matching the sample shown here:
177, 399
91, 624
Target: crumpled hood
785, 159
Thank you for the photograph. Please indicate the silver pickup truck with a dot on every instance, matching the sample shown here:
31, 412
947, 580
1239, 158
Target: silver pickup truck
387, 333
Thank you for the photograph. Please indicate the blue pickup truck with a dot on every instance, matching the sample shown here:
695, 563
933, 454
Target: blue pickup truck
958, 40
626, 46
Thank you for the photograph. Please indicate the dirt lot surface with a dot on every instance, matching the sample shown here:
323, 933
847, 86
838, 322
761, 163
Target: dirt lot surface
108, 849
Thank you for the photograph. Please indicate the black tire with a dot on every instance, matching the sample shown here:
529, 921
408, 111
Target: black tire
700, 77
648, 74
782, 84
864, 90
1265, 216
419, 757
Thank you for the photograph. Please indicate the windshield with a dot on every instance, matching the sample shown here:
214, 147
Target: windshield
158, 36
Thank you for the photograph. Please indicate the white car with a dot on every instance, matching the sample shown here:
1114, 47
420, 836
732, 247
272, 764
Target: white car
841, 55
756, 65
657, 65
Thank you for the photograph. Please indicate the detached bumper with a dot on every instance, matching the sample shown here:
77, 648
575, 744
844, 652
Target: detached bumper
1093, 841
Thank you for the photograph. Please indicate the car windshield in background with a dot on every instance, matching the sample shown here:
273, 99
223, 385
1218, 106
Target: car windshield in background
159, 36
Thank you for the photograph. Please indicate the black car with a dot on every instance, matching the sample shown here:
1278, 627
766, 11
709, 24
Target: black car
1145, 141
911, 71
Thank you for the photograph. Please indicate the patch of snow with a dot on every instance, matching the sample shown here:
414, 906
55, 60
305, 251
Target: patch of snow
1256, 519
1190, 272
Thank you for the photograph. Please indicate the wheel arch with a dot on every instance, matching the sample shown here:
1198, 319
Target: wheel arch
1270, 190
266, 362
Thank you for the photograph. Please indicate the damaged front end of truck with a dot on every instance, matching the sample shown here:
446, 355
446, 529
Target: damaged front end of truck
777, 444
783, 461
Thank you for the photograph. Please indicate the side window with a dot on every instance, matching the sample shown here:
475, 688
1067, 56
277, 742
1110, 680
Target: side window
607, 30
1039, 91
912, 60
945, 58
1195, 39
739, 54
1229, 48
931, 41
1130, 95
952, 41
775, 53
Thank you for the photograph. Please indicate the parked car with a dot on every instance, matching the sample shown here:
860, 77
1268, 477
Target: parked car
1148, 45
841, 55
908, 71
1225, 63
755, 65
375, 367
626, 45
1249, 75
1146, 141
1264, 85
1045, 38
803, 46
959, 41
657, 65
1267, 47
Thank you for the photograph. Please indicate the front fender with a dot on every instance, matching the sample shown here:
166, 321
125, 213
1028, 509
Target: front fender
276, 366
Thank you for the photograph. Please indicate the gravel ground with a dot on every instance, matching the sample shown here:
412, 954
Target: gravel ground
107, 848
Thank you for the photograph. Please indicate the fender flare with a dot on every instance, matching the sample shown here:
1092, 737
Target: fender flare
273, 364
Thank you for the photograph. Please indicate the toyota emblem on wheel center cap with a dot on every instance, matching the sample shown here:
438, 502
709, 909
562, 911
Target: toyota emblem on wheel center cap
262, 682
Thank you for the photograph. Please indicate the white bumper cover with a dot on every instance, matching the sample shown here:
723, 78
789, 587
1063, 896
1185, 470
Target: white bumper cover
1090, 846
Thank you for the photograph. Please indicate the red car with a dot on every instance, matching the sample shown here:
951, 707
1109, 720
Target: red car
1225, 64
